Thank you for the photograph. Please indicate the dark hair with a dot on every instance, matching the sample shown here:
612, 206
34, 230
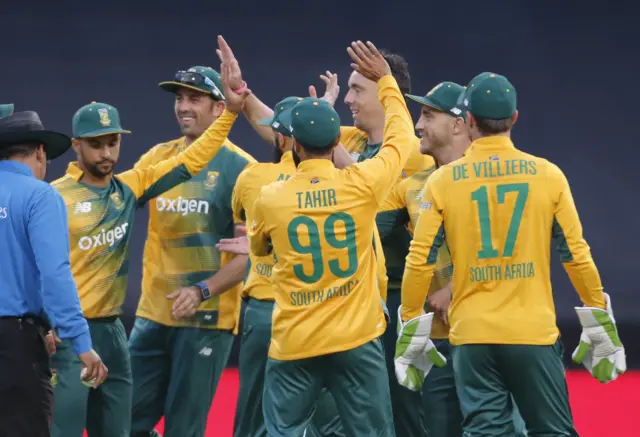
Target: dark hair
399, 70
316, 151
488, 127
18, 150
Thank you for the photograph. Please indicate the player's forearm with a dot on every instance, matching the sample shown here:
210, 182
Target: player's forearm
254, 111
415, 286
198, 155
586, 280
229, 275
398, 127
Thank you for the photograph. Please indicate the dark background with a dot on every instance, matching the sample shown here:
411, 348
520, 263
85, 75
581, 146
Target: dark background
574, 65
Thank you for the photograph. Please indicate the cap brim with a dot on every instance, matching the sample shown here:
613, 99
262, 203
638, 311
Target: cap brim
285, 118
55, 143
6, 110
103, 132
173, 87
266, 121
425, 101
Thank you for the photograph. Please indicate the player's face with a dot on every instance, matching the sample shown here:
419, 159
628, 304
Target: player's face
98, 155
435, 129
195, 112
362, 99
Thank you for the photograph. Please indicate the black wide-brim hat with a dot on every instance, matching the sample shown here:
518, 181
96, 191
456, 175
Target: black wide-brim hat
26, 127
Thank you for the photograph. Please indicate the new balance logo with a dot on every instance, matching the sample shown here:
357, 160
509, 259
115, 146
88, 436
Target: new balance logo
206, 351
83, 207
109, 237
182, 206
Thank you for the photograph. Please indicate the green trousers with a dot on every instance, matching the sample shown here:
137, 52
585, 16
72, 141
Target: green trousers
356, 379
406, 404
175, 375
254, 351
440, 403
105, 411
489, 377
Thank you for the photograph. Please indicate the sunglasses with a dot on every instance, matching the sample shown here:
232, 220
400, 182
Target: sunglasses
199, 81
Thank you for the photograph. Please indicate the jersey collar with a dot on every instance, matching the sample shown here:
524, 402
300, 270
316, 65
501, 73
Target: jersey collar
315, 165
74, 171
497, 142
16, 167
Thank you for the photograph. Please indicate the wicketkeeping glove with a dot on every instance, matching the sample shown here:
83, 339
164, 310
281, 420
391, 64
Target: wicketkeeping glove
600, 349
415, 352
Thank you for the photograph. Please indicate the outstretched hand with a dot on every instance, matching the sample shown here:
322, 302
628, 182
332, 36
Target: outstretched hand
231, 77
331, 92
368, 61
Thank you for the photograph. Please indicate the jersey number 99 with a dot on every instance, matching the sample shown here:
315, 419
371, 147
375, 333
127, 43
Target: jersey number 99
314, 248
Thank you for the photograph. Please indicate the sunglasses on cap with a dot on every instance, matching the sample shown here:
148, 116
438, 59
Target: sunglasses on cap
200, 81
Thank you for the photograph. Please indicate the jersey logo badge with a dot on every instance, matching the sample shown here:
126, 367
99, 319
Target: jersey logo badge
117, 201
314, 180
212, 179
82, 207
494, 158
104, 117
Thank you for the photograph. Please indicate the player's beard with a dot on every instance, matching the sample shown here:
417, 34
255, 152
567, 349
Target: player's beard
95, 170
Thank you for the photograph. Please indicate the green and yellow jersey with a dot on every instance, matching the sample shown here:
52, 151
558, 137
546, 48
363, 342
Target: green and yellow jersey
320, 224
499, 208
395, 242
247, 189
185, 223
402, 207
101, 218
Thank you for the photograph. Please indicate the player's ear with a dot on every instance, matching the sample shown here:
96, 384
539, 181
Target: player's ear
76, 145
514, 118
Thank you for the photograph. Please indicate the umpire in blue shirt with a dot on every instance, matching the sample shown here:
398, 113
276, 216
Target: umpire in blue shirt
37, 290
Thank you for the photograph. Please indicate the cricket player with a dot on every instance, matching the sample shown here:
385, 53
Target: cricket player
101, 209
444, 136
177, 359
363, 141
499, 208
320, 225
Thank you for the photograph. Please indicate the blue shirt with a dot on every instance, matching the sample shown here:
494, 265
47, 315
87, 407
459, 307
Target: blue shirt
35, 273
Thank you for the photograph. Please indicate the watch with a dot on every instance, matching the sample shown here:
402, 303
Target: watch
204, 289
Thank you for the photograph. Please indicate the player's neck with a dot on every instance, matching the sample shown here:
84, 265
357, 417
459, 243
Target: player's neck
375, 136
452, 152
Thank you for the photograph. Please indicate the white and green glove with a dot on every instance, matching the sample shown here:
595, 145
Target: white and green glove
600, 349
415, 352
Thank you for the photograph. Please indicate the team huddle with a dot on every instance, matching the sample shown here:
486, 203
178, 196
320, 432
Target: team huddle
395, 285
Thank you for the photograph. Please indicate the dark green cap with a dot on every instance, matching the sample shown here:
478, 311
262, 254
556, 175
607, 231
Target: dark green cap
275, 122
314, 123
198, 78
6, 110
490, 96
443, 97
95, 120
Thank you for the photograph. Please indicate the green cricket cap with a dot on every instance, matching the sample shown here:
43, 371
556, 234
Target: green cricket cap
6, 110
490, 96
281, 107
198, 78
313, 122
443, 97
95, 120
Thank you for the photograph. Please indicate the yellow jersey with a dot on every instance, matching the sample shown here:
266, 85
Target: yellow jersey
320, 224
257, 283
402, 206
185, 223
101, 218
498, 209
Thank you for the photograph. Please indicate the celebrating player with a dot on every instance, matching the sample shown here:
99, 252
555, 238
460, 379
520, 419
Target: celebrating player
185, 322
499, 209
101, 209
320, 225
